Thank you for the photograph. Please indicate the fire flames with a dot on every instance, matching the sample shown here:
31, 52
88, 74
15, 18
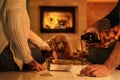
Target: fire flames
57, 20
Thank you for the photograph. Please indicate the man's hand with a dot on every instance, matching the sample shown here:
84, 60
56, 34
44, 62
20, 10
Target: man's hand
96, 31
96, 70
36, 65
93, 30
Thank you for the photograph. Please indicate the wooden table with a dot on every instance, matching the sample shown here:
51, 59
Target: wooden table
70, 74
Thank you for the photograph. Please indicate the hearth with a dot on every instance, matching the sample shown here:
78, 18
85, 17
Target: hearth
57, 19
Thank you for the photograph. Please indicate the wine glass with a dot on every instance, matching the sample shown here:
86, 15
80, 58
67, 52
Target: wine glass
82, 52
83, 55
46, 54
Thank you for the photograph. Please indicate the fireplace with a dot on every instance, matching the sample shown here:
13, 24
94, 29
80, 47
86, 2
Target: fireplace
79, 23
57, 19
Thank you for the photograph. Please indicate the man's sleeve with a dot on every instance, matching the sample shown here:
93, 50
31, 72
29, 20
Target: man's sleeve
113, 15
109, 20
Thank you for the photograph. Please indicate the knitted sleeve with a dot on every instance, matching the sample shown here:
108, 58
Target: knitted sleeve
18, 28
35, 39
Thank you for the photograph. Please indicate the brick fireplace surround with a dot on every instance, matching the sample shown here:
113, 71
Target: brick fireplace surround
80, 16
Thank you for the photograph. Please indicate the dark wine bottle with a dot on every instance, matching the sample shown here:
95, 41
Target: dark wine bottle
90, 38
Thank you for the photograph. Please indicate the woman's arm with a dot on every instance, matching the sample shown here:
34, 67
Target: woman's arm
35, 39
18, 28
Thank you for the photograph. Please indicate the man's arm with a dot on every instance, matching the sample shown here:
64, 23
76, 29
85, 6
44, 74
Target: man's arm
114, 59
109, 21
113, 16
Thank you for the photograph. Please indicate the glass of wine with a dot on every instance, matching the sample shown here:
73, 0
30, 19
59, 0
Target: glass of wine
82, 52
46, 54
83, 55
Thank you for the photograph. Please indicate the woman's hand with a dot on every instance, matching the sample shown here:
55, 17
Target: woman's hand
46, 48
34, 64
96, 70
54, 56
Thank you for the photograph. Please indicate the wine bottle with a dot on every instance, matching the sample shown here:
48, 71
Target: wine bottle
90, 37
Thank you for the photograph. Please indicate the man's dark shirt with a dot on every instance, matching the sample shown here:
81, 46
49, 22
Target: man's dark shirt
114, 15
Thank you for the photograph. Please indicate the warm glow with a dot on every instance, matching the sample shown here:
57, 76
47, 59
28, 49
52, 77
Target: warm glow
102, 0
57, 20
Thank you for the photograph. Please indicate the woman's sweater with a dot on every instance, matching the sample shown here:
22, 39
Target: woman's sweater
15, 31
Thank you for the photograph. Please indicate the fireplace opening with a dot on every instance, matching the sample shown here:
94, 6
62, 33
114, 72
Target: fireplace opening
57, 19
